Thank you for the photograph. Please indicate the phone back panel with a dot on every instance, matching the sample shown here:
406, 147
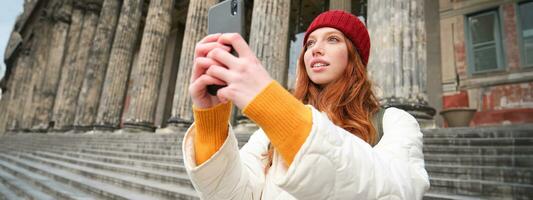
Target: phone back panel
221, 19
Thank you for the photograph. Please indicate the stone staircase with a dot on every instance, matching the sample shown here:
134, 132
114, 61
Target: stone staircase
463, 163
480, 163
93, 166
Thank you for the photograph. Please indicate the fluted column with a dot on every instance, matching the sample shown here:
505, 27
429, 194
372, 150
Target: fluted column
4, 101
398, 55
269, 46
195, 30
21, 83
118, 70
14, 87
345, 5
61, 13
146, 75
39, 56
74, 70
99, 53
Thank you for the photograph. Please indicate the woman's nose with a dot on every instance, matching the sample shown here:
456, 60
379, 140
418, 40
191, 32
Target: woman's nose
318, 50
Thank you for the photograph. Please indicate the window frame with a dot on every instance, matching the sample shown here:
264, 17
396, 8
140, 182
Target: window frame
521, 44
498, 39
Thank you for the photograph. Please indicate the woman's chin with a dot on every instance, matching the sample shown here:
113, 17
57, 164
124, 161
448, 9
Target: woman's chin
319, 81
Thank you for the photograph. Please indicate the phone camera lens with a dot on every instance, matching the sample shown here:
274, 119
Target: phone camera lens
234, 7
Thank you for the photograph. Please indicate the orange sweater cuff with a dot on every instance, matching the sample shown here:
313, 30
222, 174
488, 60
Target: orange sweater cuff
211, 126
286, 121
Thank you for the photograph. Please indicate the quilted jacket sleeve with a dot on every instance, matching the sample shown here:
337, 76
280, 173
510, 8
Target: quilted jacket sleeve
229, 173
334, 164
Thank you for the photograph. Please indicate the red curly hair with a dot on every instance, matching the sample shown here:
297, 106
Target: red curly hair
348, 101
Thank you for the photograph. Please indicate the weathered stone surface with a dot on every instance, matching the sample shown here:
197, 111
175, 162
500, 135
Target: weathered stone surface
146, 75
118, 70
74, 70
269, 46
99, 53
39, 58
398, 54
345, 5
195, 30
21, 78
61, 12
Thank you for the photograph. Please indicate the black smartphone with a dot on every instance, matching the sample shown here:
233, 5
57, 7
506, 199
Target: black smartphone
225, 17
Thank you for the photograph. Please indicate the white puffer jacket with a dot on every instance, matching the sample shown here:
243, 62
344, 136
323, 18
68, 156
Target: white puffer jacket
331, 164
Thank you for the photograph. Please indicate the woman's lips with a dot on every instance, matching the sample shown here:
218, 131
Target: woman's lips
319, 69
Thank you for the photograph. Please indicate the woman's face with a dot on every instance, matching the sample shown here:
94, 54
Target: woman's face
326, 55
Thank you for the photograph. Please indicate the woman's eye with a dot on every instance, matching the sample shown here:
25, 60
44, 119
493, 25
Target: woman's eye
333, 39
310, 43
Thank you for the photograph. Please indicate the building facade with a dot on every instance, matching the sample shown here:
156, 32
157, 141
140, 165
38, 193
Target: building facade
487, 59
126, 64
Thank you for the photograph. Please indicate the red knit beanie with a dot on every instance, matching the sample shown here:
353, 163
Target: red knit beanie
348, 24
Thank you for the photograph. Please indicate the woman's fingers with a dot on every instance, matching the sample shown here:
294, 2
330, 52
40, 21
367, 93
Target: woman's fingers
237, 42
199, 86
210, 38
220, 73
201, 64
224, 57
202, 49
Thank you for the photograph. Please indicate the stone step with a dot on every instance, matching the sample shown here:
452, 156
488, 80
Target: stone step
494, 189
512, 131
478, 150
162, 190
6, 193
137, 156
143, 145
500, 174
45, 184
87, 184
441, 196
476, 160
97, 137
140, 153
527, 141
21, 188
176, 168
175, 178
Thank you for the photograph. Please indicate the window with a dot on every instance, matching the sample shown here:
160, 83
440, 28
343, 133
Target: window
484, 42
525, 14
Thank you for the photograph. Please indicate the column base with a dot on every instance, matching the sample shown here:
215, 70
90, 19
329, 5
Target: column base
105, 128
138, 127
80, 128
419, 109
180, 124
62, 129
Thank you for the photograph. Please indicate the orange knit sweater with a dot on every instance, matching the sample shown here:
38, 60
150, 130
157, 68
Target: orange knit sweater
285, 120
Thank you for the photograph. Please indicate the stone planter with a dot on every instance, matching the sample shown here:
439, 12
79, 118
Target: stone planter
457, 117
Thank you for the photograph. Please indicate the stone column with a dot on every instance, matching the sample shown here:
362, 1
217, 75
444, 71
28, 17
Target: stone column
195, 30
398, 55
8, 97
146, 75
269, 46
118, 70
4, 101
74, 70
345, 5
39, 56
99, 53
21, 78
61, 13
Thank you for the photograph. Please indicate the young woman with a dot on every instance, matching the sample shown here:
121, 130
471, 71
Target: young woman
323, 150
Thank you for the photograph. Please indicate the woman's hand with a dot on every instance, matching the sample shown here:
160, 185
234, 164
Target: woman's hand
200, 80
244, 75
